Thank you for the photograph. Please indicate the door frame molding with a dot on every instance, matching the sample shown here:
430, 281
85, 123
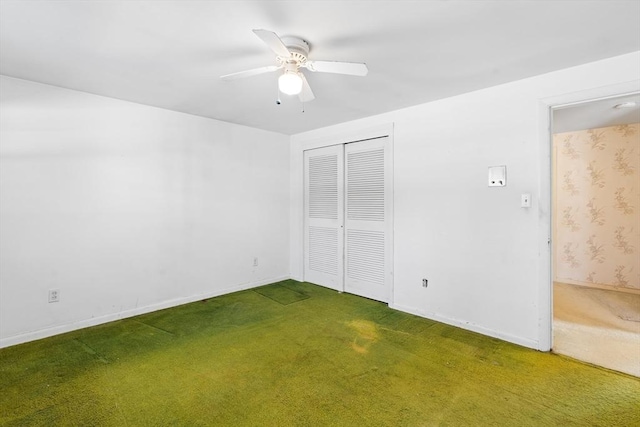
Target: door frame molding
300, 144
545, 245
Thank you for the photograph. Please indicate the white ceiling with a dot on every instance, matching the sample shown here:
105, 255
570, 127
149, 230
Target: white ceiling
597, 114
170, 53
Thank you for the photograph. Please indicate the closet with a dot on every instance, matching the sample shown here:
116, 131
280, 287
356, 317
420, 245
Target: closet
348, 218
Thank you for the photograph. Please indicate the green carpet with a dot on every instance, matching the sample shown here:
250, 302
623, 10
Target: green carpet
282, 293
295, 354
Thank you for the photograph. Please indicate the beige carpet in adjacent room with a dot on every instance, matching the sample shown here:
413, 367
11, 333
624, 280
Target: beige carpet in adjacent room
598, 326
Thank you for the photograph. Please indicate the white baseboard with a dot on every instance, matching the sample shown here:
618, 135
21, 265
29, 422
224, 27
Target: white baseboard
61, 329
468, 326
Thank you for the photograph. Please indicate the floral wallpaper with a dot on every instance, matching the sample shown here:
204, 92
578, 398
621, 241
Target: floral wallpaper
597, 205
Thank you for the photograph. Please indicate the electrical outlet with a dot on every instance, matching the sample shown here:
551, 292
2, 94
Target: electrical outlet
425, 283
255, 262
54, 295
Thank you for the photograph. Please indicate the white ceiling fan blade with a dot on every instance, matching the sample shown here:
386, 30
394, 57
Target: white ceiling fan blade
351, 68
306, 94
273, 41
249, 73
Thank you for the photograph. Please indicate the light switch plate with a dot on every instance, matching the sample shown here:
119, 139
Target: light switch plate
525, 200
497, 176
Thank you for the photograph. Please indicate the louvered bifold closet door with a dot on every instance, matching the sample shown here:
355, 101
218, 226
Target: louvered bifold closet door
367, 220
324, 216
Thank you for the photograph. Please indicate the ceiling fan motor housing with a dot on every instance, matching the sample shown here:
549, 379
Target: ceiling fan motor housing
299, 50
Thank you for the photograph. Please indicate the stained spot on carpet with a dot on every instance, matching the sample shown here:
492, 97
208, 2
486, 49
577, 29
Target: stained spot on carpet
281, 294
366, 334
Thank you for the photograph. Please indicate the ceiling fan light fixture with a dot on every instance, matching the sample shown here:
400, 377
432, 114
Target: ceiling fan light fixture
624, 105
292, 54
290, 83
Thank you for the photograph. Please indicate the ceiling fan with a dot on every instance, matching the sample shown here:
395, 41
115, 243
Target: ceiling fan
292, 54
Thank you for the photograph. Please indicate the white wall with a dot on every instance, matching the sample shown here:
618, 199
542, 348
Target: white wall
127, 208
486, 258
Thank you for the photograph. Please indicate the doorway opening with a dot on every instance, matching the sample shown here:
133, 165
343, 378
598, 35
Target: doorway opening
595, 215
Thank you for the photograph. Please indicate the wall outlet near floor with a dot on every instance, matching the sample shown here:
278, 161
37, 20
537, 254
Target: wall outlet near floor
255, 262
425, 283
54, 295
